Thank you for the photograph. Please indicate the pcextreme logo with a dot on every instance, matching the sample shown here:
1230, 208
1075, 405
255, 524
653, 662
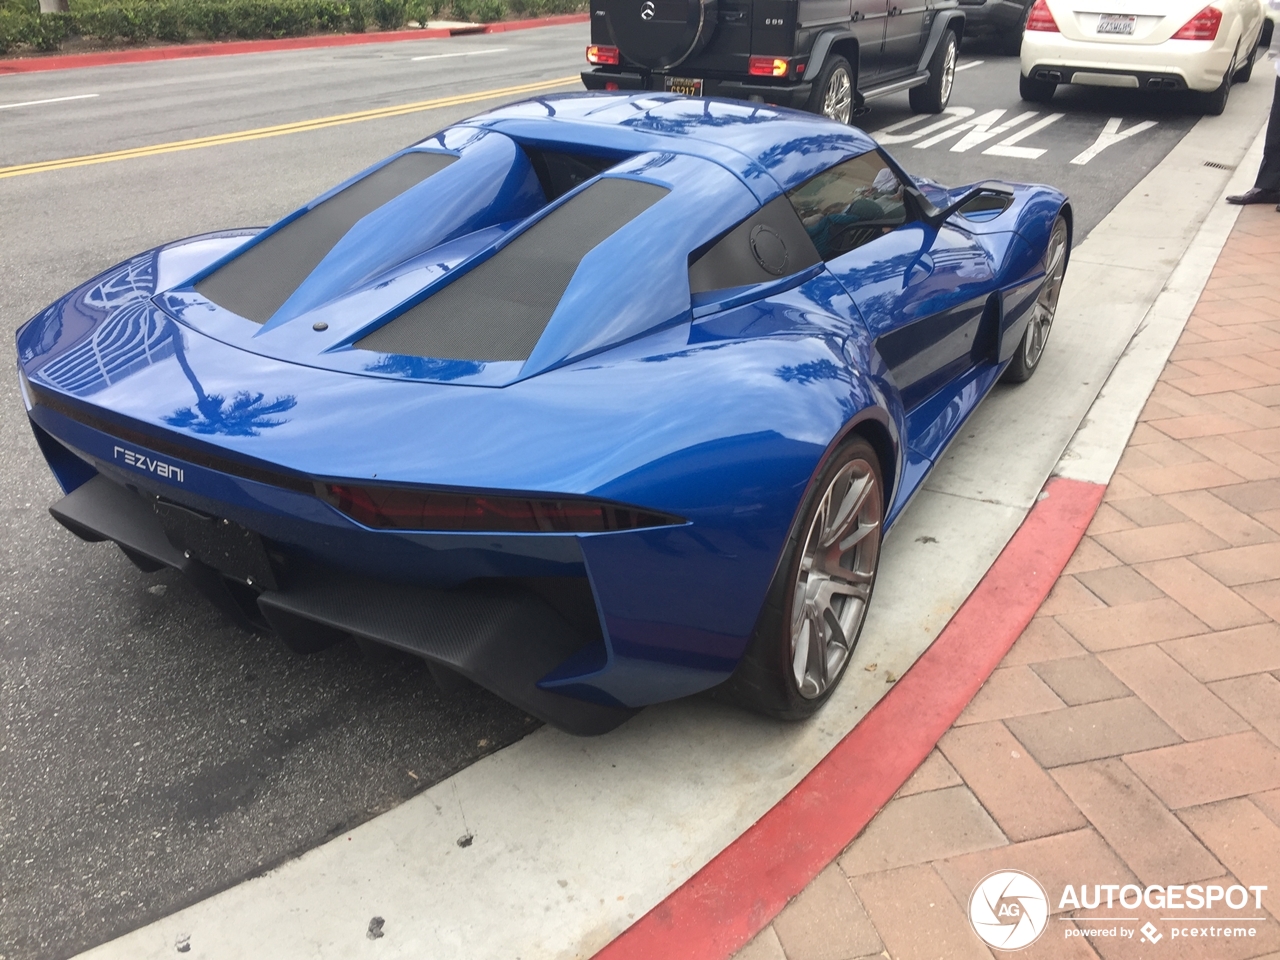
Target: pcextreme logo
1010, 910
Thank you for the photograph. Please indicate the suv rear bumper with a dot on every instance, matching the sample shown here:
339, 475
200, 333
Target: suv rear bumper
791, 95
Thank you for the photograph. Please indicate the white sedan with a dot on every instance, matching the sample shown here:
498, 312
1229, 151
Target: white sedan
1141, 44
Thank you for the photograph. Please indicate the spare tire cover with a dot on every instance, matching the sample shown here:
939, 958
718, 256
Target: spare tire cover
661, 33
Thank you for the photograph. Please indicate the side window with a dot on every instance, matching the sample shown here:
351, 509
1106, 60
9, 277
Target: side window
850, 204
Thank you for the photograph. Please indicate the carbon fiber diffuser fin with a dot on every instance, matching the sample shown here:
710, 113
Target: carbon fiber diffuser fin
498, 310
256, 283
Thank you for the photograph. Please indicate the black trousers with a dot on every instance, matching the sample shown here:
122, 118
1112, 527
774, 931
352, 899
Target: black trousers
1269, 172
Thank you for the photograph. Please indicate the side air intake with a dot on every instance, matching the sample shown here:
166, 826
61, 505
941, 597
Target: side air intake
498, 310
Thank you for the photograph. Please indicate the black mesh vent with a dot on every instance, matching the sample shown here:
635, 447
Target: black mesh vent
498, 310
558, 173
256, 283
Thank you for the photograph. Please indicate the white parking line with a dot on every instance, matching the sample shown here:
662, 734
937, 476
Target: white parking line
971, 63
469, 53
36, 103
1111, 134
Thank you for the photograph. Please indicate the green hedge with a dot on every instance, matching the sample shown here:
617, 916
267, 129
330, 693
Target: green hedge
180, 21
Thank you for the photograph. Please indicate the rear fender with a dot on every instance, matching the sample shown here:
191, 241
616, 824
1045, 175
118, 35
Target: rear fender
679, 604
945, 20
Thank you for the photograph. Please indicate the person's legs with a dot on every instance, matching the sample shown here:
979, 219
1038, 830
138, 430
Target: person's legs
1266, 189
1269, 172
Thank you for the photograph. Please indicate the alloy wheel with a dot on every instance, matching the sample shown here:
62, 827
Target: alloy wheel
949, 71
834, 580
837, 104
1047, 303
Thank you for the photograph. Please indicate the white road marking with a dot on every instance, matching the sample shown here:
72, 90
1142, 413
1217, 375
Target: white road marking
980, 129
468, 53
949, 116
36, 103
1006, 148
1109, 136
971, 63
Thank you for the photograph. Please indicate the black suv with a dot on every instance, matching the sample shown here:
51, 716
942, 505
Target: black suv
826, 56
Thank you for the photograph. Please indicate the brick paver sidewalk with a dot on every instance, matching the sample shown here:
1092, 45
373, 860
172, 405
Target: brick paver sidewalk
1132, 735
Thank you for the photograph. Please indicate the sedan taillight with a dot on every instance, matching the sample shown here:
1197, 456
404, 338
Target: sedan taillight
1040, 18
1203, 26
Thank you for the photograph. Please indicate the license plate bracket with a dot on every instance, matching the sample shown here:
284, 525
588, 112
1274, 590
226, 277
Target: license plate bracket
1116, 24
234, 551
689, 86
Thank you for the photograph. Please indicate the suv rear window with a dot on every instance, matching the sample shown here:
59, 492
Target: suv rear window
850, 204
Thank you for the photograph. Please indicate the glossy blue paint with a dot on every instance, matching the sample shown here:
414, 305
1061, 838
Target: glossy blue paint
718, 409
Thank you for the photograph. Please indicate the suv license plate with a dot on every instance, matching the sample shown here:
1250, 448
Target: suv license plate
686, 85
1116, 23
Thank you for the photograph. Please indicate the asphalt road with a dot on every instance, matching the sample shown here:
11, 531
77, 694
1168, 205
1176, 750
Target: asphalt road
153, 754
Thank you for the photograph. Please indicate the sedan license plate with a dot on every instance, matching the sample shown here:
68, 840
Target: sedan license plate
1116, 23
688, 86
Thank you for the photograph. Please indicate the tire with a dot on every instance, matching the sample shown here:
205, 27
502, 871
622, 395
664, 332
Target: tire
832, 94
783, 673
933, 96
1213, 104
1036, 91
1246, 71
1031, 347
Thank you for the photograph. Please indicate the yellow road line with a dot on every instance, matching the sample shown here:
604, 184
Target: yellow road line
281, 129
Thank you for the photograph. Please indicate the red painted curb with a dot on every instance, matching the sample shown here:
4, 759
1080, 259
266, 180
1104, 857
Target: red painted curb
185, 51
743, 888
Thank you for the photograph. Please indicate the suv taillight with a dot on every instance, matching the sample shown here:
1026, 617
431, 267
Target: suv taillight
768, 66
1040, 18
602, 55
1203, 26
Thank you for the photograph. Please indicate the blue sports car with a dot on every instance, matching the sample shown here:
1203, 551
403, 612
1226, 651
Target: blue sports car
596, 400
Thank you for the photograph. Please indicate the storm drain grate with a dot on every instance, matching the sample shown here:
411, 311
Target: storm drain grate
1218, 166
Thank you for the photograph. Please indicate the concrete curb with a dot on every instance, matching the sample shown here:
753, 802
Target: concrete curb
742, 889
186, 51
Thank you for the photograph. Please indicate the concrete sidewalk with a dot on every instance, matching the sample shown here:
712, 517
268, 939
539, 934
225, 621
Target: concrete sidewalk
1132, 735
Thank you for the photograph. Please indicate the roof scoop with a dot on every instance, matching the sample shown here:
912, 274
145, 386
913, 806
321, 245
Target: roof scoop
401, 210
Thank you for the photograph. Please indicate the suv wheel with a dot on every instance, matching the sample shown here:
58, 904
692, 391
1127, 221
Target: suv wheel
932, 97
832, 94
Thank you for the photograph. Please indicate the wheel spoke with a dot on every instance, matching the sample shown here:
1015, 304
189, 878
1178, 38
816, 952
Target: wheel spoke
836, 573
839, 523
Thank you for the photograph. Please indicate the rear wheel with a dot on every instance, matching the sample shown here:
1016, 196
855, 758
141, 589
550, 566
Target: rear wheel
1036, 91
1246, 71
933, 97
832, 94
1213, 104
1031, 346
817, 603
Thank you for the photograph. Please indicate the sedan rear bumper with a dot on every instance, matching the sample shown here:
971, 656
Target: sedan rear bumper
1191, 64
